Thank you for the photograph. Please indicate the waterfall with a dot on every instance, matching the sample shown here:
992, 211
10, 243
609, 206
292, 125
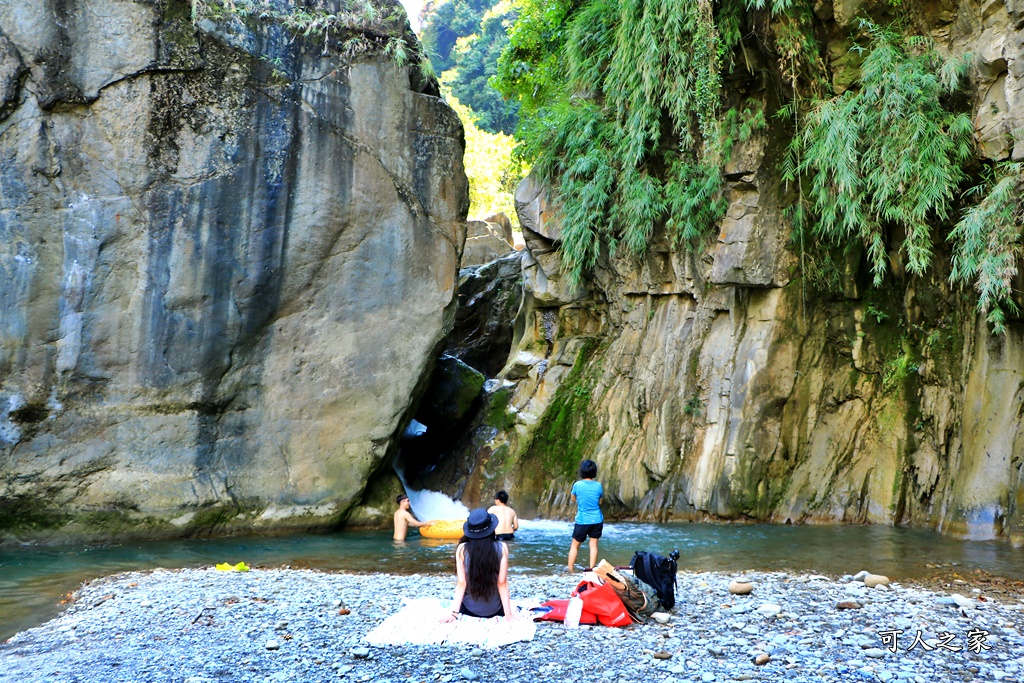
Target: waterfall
427, 505
431, 505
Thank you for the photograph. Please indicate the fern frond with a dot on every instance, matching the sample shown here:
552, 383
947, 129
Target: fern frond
988, 244
888, 155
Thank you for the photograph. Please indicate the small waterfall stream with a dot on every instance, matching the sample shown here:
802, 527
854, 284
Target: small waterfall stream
430, 505
426, 505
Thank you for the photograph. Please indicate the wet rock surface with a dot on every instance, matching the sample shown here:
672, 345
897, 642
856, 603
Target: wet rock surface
718, 383
299, 625
229, 254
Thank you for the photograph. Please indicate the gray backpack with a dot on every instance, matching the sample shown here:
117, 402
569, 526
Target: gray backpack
640, 600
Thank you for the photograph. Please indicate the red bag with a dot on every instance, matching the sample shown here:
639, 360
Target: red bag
558, 609
599, 599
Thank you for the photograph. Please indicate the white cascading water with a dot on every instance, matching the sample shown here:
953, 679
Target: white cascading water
432, 505
428, 505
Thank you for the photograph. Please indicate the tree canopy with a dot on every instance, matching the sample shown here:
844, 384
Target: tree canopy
464, 39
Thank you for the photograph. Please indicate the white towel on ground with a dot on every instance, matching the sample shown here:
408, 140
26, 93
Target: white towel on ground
418, 623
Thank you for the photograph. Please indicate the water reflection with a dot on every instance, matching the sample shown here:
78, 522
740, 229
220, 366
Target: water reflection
32, 580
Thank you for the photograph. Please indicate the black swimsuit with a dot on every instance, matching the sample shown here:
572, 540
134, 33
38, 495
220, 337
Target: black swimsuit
486, 607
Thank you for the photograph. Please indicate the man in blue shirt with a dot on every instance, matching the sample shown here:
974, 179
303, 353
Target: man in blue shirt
587, 494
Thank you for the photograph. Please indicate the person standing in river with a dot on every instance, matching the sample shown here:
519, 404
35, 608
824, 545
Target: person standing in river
587, 494
404, 518
508, 522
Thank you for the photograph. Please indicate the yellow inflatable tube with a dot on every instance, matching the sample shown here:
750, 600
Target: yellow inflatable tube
443, 528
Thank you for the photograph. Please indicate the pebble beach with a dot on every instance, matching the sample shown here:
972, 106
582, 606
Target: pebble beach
304, 626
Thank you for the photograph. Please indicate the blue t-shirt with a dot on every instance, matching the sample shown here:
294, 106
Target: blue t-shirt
588, 495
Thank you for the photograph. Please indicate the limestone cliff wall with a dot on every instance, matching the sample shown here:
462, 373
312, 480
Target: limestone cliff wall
716, 385
228, 257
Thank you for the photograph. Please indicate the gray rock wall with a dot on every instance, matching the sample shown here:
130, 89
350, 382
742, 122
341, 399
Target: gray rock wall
228, 259
714, 386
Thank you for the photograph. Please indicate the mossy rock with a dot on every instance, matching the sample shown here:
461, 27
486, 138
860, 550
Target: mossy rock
377, 506
454, 388
496, 412
846, 63
20, 514
567, 432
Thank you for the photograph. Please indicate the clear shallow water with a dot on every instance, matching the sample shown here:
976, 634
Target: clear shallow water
33, 579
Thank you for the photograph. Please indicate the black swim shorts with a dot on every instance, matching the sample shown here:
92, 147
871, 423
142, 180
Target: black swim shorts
504, 537
581, 531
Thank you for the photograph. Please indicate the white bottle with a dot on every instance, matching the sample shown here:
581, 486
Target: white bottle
573, 613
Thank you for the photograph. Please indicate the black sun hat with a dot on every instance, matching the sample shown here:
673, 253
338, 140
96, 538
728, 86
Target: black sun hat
480, 524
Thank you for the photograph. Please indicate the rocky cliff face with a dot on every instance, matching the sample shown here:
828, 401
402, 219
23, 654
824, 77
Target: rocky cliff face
229, 257
716, 385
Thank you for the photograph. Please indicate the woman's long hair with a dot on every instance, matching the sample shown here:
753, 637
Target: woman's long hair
484, 562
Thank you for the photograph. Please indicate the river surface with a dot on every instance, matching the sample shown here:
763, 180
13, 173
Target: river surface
33, 580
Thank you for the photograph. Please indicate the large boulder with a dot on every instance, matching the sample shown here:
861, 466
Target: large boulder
490, 298
542, 263
229, 256
485, 242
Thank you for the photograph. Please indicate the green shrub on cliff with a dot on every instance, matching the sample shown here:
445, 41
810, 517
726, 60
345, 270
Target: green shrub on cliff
889, 155
988, 242
621, 104
889, 158
623, 114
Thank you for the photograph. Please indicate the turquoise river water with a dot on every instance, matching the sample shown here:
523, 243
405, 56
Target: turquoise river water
34, 579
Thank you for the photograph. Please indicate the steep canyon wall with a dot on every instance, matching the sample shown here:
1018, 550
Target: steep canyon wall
721, 384
228, 260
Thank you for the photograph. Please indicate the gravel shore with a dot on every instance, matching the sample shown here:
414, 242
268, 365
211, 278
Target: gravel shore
202, 625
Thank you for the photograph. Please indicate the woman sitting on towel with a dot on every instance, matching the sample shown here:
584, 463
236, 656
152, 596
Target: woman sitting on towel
481, 565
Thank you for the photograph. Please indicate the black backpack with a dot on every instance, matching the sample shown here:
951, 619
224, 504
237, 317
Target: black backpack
659, 573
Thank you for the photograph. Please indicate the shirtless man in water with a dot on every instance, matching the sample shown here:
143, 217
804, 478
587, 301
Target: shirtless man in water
508, 522
404, 518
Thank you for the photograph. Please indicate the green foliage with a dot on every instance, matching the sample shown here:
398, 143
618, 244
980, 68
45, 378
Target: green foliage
988, 242
789, 35
464, 39
586, 170
492, 173
888, 158
693, 406
696, 202
822, 270
777, 6
529, 69
358, 27
445, 22
899, 369
624, 116
889, 155
879, 315
566, 434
